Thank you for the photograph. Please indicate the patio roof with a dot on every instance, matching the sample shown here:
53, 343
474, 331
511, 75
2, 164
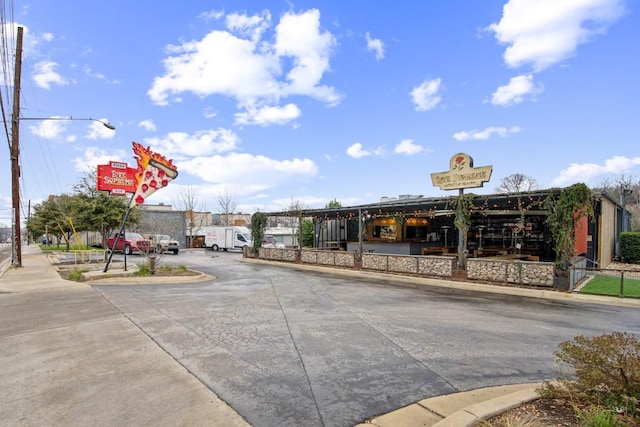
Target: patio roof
428, 206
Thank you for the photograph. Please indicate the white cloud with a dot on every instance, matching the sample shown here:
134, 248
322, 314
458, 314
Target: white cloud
515, 91
406, 146
93, 156
375, 45
54, 128
248, 171
426, 96
255, 68
544, 32
583, 172
268, 115
485, 134
97, 130
48, 129
201, 143
147, 125
45, 75
211, 15
249, 26
89, 72
357, 151
210, 113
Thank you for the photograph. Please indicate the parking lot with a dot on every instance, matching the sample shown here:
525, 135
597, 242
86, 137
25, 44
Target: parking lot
289, 347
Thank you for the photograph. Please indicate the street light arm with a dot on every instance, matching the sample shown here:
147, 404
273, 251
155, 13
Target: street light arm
105, 124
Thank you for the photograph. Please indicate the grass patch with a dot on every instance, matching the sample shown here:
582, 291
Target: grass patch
143, 270
610, 285
76, 274
164, 270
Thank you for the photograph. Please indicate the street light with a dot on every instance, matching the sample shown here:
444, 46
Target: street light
15, 176
105, 124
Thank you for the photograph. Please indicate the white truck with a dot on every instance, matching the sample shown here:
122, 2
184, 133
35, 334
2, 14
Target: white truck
226, 237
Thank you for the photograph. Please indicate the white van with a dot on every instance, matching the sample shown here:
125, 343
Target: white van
226, 237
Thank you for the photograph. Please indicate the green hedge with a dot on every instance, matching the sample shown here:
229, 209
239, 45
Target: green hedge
630, 247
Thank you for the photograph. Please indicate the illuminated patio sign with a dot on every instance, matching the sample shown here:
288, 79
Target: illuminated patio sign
461, 174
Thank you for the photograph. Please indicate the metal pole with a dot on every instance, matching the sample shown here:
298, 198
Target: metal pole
461, 260
115, 241
360, 232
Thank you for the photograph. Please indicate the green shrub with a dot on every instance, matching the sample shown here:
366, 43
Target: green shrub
630, 247
76, 274
606, 373
598, 417
143, 270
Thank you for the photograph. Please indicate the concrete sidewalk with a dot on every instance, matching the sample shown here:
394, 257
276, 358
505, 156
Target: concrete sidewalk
69, 357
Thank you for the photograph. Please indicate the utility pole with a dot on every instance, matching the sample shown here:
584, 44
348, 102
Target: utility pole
15, 153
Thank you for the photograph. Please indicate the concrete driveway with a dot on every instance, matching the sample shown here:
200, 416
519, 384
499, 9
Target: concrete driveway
292, 348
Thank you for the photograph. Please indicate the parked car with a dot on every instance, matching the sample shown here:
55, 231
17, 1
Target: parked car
271, 242
129, 243
268, 242
164, 243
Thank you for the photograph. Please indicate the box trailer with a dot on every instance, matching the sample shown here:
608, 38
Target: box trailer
226, 237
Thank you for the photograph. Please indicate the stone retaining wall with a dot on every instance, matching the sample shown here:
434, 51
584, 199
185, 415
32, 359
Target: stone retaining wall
493, 270
412, 264
509, 271
323, 257
290, 255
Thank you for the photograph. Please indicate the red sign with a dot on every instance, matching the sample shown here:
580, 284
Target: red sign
117, 178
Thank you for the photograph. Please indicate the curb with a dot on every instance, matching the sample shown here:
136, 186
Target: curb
471, 415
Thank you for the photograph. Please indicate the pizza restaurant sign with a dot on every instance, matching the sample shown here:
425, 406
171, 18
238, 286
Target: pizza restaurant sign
117, 178
461, 174
154, 172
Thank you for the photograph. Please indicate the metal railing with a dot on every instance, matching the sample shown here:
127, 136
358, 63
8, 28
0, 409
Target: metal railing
624, 283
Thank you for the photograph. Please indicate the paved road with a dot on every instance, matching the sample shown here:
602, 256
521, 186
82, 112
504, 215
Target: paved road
5, 251
291, 348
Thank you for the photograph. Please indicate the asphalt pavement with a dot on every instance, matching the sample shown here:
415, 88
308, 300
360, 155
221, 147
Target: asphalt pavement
134, 354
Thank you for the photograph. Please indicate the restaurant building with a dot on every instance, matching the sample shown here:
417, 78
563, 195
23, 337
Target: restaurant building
500, 225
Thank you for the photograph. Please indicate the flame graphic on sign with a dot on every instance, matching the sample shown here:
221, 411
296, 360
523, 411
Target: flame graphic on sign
154, 172
144, 157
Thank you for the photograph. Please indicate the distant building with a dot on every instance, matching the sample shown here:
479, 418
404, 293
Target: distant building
283, 236
238, 219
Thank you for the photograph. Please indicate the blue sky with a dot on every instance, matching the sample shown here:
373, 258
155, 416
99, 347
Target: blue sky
312, 101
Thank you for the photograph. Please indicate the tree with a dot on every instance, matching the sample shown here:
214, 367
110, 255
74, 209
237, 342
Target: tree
463, 205
227, 204
99, 210
189, 202
565, 208
258, 224
308, 233
626, 190
516, 183
44, 219
333, 204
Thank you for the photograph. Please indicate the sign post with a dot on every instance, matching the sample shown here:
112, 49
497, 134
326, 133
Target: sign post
154, 171
461, 175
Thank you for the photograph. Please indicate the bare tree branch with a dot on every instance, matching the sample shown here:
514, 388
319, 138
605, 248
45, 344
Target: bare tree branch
189, 201
516, 183
227, 204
